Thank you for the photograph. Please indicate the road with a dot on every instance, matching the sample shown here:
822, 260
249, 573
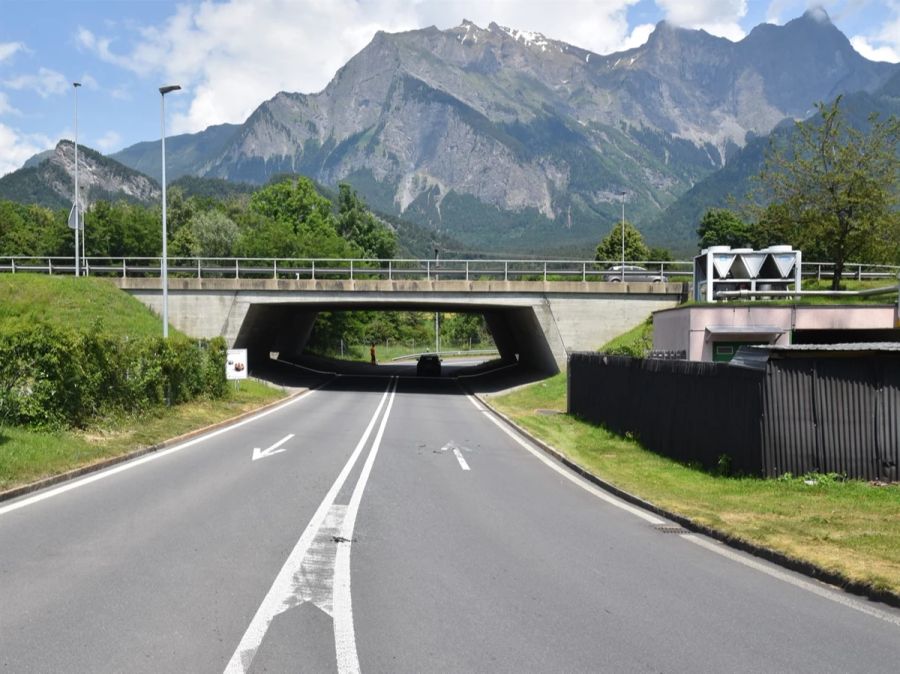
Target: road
393, 525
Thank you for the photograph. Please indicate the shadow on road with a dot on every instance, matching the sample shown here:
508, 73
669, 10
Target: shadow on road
458, 376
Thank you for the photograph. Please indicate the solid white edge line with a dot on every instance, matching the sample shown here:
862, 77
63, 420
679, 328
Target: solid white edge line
283, 586
459, 457
825, 591
344, 634
565, 472
810, 586
147, 458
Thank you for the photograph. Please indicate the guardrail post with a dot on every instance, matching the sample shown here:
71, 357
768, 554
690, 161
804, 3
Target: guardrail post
313, 270
390, 271
584, 272
124, 269
351, 270
427, 270
467, 270
506, 270
199, 272
859, 272
13, 262
237, 273
87, 267
818, 272
50, 266
545, 272
274, 269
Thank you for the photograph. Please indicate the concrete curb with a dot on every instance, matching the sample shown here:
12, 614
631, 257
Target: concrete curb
122, 458
786, 561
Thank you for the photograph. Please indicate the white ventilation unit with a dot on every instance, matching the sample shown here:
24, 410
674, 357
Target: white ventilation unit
724, 268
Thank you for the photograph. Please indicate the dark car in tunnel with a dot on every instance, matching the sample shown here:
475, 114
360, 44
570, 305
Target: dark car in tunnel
428, 365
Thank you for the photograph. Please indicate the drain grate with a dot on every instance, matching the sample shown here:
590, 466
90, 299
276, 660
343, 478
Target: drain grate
670, 529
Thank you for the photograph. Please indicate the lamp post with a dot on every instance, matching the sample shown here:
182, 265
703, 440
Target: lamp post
75, 207
437, 315
164, 271
623, 235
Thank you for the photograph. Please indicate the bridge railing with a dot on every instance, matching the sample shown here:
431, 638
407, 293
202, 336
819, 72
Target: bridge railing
395, 269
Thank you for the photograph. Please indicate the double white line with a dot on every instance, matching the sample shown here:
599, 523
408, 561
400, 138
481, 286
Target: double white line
282, 594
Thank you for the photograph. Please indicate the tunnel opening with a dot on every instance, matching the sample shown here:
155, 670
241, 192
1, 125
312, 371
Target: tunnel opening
338, 337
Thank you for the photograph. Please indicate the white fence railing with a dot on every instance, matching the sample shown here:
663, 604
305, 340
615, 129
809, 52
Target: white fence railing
399, 269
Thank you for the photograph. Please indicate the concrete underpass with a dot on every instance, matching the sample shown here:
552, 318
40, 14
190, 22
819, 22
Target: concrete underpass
537, 322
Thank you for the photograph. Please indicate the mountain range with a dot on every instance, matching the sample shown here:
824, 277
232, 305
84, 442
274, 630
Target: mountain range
514, 142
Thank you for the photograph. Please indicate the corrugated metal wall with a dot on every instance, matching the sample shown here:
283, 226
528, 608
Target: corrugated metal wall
690, 411
837, 414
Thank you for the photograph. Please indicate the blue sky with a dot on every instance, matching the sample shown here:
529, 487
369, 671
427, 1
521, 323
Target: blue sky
231, 55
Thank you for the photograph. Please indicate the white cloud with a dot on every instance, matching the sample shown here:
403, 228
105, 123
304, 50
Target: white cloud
717, 17
16, 148
45, 83
109, 141
873, 53
5, 107
231, 56
7, 49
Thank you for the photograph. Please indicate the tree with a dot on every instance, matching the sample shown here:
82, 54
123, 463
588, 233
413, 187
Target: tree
721, 227
610, 248
357, 224
208, 234
833, 190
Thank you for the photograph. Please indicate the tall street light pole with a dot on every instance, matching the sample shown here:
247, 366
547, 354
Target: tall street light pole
76, 209
623, 235
164, 273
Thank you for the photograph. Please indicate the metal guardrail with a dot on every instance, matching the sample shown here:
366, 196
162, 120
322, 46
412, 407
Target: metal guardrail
395, 269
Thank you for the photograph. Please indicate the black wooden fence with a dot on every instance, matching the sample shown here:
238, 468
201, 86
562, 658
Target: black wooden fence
803, 414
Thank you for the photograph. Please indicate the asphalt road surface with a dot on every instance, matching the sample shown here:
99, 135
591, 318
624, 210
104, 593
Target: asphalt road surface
393, 525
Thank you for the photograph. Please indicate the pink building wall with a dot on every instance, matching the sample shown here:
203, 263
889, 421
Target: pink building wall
695, 329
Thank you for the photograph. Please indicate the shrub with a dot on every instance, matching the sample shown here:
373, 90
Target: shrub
57, 377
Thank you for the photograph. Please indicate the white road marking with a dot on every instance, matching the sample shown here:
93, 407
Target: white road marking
288, 588
718, 548
147, 458
270, 451
810, 586
344, 635
459, 457
572, 477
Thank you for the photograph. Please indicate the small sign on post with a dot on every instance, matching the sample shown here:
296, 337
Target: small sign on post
236, 364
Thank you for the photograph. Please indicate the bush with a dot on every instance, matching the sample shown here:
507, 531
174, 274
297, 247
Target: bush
55, 377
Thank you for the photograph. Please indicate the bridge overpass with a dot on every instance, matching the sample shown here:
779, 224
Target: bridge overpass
536, 310
533, 317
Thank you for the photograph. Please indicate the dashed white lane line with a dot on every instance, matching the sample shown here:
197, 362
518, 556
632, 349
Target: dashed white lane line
147, 458
718, 548
459, 457
288, 587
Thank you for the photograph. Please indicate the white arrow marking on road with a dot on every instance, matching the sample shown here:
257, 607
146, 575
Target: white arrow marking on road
274, 449
459, 457
457, 453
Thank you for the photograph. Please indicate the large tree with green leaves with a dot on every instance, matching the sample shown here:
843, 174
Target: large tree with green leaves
610, 248
832, 190
721, 227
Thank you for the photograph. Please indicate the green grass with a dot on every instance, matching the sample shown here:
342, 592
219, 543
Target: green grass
80, 303
29, 455
637, 342
849, 527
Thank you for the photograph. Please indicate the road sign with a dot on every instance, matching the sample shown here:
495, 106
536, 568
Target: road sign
236, 364
76, 217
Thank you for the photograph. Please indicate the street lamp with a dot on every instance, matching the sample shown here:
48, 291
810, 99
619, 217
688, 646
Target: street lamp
75, 207
164, 272
623, 235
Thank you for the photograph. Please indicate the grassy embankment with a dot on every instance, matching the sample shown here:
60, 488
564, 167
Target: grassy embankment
849, 527
87, 304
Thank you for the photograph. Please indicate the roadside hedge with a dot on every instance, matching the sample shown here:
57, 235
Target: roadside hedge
55, 377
